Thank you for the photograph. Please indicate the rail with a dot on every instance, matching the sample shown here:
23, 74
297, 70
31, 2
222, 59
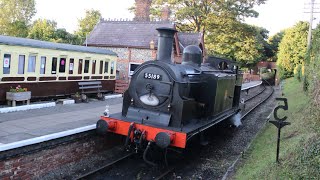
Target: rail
87, 175
258, 104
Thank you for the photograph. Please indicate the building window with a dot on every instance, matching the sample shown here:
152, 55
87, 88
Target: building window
80, 67
101, 67
93, 67
132, 67
106, 66
54, 65
21, 64
6, 63
112, 68
71, 66
43, 65
32, 63
62, 65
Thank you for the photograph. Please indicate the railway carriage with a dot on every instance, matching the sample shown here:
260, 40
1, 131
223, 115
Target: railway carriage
52, 69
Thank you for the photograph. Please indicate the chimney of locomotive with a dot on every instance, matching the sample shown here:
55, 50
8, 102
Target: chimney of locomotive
165, 44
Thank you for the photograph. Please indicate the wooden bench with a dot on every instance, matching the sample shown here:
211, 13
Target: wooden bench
90, 87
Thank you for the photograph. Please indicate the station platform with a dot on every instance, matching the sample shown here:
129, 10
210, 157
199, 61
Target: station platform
18, 129
250, 84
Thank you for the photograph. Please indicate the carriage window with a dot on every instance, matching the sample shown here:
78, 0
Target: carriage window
112, 67
71, 65
62, 65
106, 66
21, 64
80, 67
32, 63
6, 63
86, 66
43, 65
101, 67
54, 65
93, 67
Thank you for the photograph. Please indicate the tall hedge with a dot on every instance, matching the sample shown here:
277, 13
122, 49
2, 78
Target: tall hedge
292, 49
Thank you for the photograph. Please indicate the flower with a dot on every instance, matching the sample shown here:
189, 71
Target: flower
18, 89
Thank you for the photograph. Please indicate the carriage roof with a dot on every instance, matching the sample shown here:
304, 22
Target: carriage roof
15, 41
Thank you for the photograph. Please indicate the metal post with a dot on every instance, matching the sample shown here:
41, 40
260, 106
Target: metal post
310, 25
278, 145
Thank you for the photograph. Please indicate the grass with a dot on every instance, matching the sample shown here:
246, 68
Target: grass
300, 143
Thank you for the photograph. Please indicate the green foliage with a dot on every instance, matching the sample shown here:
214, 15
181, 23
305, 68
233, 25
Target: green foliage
46, 30
273, 42
43, 29
62, 36
192, 15
15, 16
292, 48
298, 72
312, 66
235, 40
87, 23
300, 143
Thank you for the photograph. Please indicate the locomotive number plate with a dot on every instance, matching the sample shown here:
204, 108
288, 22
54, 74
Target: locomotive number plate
152, 76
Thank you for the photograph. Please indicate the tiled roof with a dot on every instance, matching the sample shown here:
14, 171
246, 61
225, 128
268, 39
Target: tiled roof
15, 41
126, 33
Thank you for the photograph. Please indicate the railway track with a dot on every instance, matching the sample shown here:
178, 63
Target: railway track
126, 163
105, 167
262, 96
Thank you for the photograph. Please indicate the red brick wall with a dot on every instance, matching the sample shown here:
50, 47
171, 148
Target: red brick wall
250, 77
34, 163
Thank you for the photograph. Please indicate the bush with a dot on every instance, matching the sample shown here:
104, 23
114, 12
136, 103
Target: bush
298, 72
284, 74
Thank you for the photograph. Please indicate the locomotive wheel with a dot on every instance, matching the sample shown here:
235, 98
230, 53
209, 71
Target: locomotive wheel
84, 98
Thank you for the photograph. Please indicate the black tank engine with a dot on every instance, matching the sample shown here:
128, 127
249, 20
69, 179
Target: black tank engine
168, 103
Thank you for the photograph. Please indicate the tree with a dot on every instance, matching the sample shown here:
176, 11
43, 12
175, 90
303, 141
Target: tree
273, 42
15, 16
87, 23
233, 39
43, 29
192, 15
293, 48
62, 36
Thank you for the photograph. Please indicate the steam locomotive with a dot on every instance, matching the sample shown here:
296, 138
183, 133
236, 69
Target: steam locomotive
169, 103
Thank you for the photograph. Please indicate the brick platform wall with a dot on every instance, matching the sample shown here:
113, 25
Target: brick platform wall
37, 160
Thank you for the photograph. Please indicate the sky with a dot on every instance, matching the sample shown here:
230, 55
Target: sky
274, 15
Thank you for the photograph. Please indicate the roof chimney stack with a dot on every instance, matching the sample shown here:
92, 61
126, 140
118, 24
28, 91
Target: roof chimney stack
142, 10
165, 13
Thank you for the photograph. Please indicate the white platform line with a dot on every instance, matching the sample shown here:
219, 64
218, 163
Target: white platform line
5, 147
113, 96
252, 86
27, 107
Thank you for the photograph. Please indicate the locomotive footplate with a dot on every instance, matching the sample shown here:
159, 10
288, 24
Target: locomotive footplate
176, 137
154, 134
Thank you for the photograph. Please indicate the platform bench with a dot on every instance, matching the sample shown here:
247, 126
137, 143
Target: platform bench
90, 87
